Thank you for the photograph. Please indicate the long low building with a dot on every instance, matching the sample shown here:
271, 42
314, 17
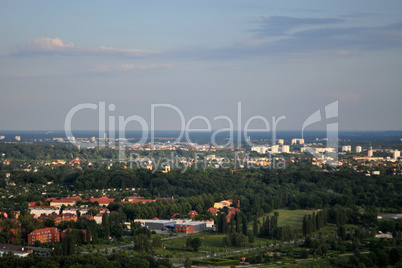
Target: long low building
183, 226
83, 210
190, 227
19, 251
43, 210
161, 225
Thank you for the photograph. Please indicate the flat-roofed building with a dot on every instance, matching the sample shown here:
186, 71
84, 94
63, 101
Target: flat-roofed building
19, 251
190, 227
43, 210
44, 235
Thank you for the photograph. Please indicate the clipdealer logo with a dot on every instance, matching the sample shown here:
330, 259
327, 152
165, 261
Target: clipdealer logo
119, 124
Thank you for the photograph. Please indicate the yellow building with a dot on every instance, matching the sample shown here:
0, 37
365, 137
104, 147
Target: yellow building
224, 203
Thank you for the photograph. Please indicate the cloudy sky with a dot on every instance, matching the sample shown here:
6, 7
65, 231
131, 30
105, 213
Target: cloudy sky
276, 58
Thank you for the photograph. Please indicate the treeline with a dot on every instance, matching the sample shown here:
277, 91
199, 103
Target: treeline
383, 253
87, 260
236, 230
314, 222
260, 190
47, 152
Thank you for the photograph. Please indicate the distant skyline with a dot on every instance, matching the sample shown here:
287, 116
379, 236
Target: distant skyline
277, 58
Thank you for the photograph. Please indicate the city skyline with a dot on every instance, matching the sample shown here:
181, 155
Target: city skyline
278, 59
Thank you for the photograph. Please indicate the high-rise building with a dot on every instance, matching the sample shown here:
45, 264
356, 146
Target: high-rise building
17, 138
358, 149
2, 137
285, 149
93, 139
259, 149
275, 149
370, 152
280, 141
397, 154
346, 148
297, 141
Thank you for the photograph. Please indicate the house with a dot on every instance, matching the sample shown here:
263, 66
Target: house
98, 217
175, 215
102, 201
137, 199
87, 216
213, 211
222, 204
16, 213
33, 204
75, 161
232, 211
59, 218
82, 210
45, 210
192, 214
44, 235
65, 201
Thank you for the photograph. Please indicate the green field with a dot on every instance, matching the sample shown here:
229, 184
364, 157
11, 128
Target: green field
211, 243
291, 217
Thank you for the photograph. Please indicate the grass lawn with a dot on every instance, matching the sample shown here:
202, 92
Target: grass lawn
211, 244
291, 217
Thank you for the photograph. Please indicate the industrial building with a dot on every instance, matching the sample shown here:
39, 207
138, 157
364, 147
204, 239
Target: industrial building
190, 227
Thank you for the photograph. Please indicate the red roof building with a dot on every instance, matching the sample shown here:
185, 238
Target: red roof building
103, 201
87, 216
65, 201
232, 211
75, 161
33, 204
59, 218
45, 235
213, 211
192, 214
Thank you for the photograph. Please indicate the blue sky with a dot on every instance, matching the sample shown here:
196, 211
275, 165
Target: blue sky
278, 58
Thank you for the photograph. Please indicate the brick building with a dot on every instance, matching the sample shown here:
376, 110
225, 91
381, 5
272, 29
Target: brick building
45, 235
59, 218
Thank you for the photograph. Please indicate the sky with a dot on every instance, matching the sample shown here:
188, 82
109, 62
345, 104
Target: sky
205, 60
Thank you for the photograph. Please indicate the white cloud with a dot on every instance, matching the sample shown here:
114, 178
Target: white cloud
126, 67
344, 53
261, 16
46, 43
56, 45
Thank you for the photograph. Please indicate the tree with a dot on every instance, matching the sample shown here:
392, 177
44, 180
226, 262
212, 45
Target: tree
106, 225
93, 211
244, 223
304, 254
255, 227
342, 232
196, 244
188, 263
156, 241
69, 244
188, 242
49, 223
251, 238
